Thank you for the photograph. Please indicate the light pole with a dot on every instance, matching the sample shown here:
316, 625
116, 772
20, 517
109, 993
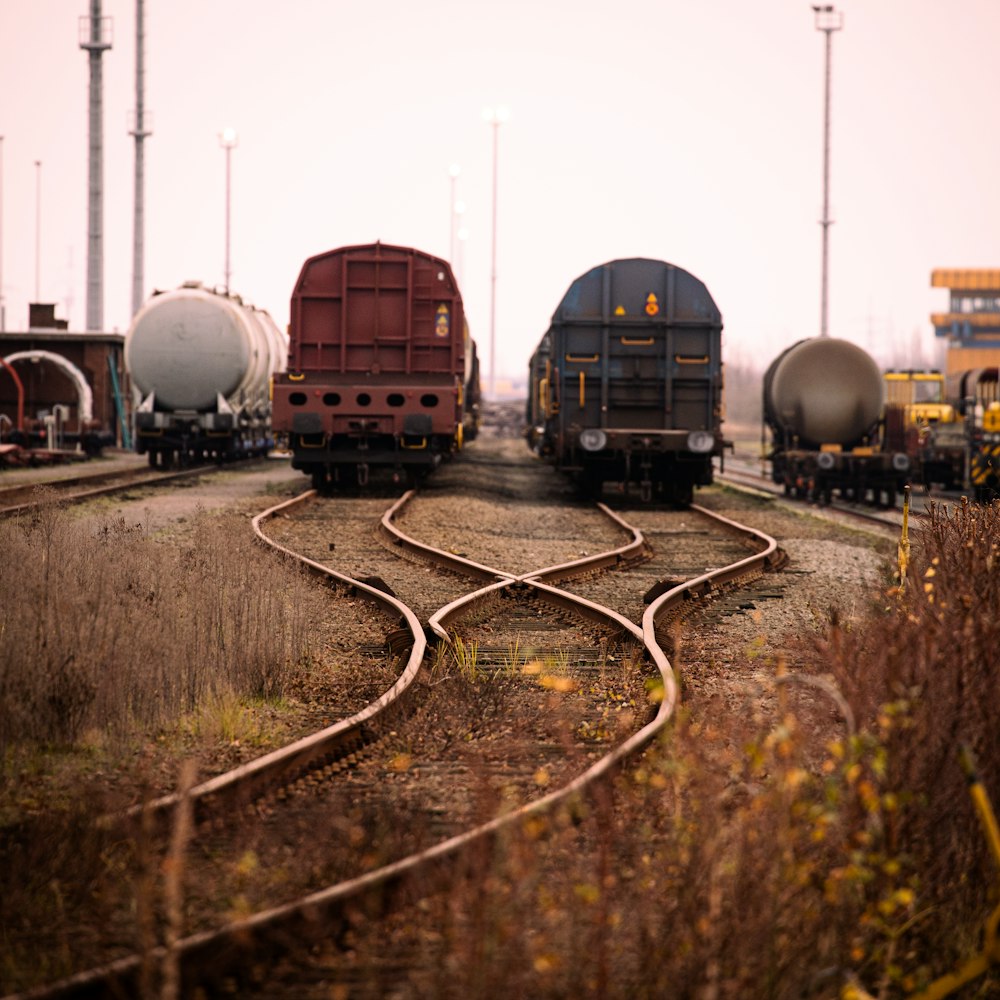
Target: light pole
463, 235
38, 227
228, 139
496, 117
140, 131
3, 308
95, 40
828, 21
453, 171
456, 224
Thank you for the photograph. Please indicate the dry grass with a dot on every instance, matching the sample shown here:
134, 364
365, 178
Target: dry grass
115, 633
776, 852
773, 852
112, 642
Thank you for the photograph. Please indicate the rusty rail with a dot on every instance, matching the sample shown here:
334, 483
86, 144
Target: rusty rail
324, 912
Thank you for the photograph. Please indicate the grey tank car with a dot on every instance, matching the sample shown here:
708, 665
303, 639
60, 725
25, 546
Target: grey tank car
823, 391
823, 405
200, 363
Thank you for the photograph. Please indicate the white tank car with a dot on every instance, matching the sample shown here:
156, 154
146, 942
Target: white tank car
200, 362
188, 346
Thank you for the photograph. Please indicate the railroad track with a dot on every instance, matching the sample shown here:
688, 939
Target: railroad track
544, 609
535, 610
23, 497
745, 477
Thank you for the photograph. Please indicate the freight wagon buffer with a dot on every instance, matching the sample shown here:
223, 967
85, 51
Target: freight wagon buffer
627, 382
380, 370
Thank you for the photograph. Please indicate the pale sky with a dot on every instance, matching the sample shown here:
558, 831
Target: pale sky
685, 130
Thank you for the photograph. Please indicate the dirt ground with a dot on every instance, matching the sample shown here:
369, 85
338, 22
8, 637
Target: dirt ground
249, 489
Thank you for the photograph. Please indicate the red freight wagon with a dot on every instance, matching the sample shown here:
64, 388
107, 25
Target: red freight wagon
381, 369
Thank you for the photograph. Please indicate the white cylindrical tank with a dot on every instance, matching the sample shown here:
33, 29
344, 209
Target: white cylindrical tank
823, 391
191, 344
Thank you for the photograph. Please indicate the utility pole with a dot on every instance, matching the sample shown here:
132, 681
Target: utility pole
828, 21
228, 139
495, 117
95, 38
3, 308
139, 132
453, 171
38, 229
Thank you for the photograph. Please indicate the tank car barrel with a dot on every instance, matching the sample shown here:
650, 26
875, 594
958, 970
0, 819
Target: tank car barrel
823, 402
201, 362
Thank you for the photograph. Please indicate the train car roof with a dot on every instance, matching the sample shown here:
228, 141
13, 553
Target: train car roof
317, 267
637, 288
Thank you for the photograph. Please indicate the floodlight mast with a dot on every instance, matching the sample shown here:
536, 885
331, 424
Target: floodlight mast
228, 140
3, 308
38, 233
495, 117
828, 20
453, 171
140, 131
95, 39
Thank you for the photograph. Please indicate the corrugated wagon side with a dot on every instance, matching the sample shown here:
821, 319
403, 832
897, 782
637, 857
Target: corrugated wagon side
627, 381
380, 367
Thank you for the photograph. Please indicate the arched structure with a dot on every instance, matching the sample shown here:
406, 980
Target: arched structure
84, 392
19, 385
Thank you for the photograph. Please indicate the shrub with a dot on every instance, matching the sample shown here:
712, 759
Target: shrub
922, 674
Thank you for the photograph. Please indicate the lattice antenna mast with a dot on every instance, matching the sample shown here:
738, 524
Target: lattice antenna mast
140, 129
95, 37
